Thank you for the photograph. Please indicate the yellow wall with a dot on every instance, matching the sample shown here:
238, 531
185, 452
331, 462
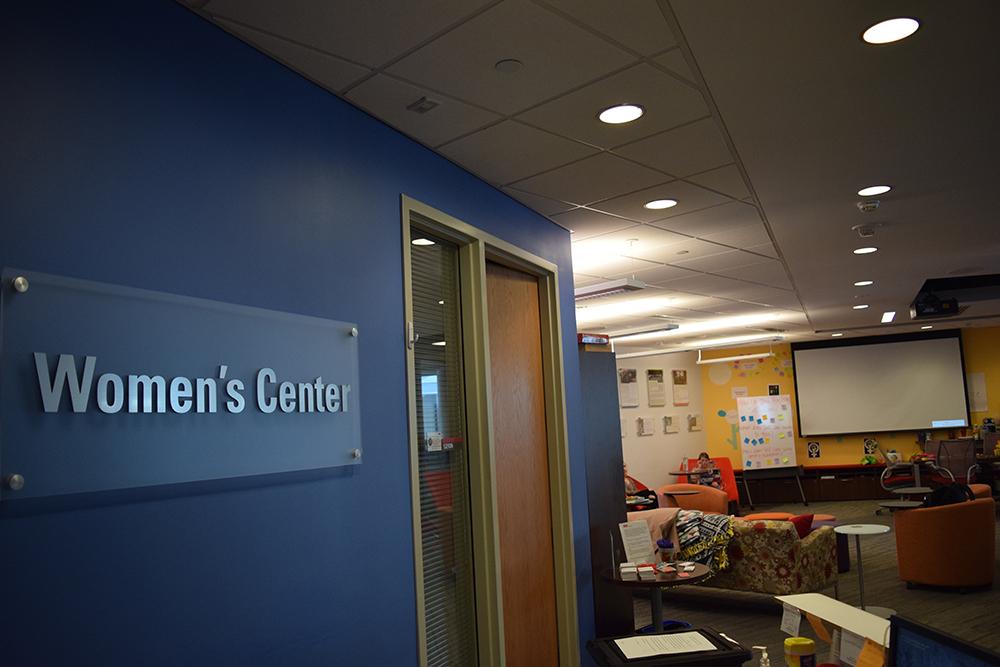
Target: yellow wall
982, 354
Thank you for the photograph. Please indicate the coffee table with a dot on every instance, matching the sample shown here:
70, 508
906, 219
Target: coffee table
656, 587
857, 530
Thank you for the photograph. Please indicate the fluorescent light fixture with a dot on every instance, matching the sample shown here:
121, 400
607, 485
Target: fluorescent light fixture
864, 283
602, 312
608, 288
927, 326
738, 357
621, 113
422, 241
728, 341
888, 316
891, 30
865, 251
860, 306
874, 190
661, 328
837, 335
658, 204
717, 324
440, 343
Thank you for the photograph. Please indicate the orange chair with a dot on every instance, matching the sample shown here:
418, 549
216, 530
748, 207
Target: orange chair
706, 498
948, 545
727, 475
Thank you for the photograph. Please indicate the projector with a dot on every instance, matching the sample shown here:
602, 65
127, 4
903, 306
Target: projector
929, 305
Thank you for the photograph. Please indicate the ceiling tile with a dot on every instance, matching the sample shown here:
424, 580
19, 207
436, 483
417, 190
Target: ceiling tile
766, 271
638, 24
592, 179
552, 50
726, 180
690, 149
667, 101
709, 285
688, 197
661, 274
745, 237
675, 62
371, 33
328, 71
679, 253
710, 220
510, 151
387, 98
763, 249
719, 261
583, 280
542, 205
585, 223
771, 296
610, 267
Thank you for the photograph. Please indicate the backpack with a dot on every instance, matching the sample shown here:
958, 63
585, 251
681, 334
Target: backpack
947, 494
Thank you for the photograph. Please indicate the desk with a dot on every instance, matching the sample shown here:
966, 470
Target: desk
657, 585
857, 530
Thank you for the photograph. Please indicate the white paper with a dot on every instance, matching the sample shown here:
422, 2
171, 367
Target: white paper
850, 646
977, 392
645, 425
656, 389
680, 381
635, 538
694, 422
791, 619
646, 646
739, 392
670, 424
628, 388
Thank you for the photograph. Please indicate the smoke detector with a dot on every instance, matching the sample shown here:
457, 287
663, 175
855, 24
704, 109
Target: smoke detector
868, 205
867, 231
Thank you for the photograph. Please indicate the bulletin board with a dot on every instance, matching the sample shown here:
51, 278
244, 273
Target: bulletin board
767, 439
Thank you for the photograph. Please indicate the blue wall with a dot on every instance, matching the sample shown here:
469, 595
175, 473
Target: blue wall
143, 146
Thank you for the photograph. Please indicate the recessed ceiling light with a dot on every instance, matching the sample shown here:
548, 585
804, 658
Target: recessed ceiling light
657, 204
888, 316
873, 190
440, 343
927, 326
508, 65
860, 306
441, 302
865, 251
890, 30
864, 283
837, 335
422, 241
621, 113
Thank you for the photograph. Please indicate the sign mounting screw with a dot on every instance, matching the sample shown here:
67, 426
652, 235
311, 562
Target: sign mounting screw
354, 332
355, 453
20, 284
14, 482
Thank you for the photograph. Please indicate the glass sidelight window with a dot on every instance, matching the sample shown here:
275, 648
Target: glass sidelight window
446, 538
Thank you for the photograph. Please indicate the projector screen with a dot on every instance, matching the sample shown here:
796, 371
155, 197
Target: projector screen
896, 385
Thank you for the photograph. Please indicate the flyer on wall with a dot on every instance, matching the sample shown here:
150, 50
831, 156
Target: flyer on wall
681, 395
628, 388
655, 388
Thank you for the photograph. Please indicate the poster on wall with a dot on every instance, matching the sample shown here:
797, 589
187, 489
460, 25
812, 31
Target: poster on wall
628, 388
767, 439
656, 389
680, 380
645, 426
694, 422
670, 424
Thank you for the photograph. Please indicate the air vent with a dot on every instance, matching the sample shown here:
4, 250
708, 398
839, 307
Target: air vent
619, 286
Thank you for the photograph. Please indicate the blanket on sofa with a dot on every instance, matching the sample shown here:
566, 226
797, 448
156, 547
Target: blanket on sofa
704, 538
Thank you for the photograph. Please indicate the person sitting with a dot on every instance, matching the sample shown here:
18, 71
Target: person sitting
706, 472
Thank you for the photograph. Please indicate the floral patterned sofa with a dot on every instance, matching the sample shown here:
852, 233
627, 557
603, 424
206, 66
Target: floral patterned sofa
769, 557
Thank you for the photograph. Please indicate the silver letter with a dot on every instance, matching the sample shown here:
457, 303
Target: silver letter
286, 394
305, 397
102, 393
180, 395
332, 398
265, 404
147, 383
345, 389
237, 403
319, 394
203, 387
79, 390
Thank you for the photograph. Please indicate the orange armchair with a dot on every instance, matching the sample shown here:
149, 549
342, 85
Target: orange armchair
707, 498
949, 545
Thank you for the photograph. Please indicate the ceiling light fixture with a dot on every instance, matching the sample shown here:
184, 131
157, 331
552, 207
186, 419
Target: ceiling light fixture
508, 65
658, 204
621, 113
728, 341
422, 241
440, 343
662, 327
888, 316
686, 328
865, 251
837, 335
874, 190
864, 283
891, 30
927, 326
860, 306
738, 357
608, 288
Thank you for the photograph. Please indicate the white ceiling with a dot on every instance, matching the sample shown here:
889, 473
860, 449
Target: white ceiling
762, 120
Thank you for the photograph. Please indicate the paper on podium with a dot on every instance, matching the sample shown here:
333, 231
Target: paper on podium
651, 645
637, 542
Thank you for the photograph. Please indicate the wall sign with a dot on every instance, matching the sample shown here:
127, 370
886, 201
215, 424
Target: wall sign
105, 387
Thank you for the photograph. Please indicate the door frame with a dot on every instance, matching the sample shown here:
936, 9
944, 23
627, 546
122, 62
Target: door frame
475, 248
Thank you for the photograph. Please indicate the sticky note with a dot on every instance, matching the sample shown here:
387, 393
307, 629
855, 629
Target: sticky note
763, 416
743, 418
781, 418
749, 463
784, 460
781, 436
746, 441
767, 440
772, 420
759, 421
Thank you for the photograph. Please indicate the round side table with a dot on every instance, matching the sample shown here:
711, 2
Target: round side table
857, 530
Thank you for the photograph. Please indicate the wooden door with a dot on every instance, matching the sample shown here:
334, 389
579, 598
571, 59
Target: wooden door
522, 471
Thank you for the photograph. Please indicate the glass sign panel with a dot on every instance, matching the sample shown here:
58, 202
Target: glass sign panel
105, 387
